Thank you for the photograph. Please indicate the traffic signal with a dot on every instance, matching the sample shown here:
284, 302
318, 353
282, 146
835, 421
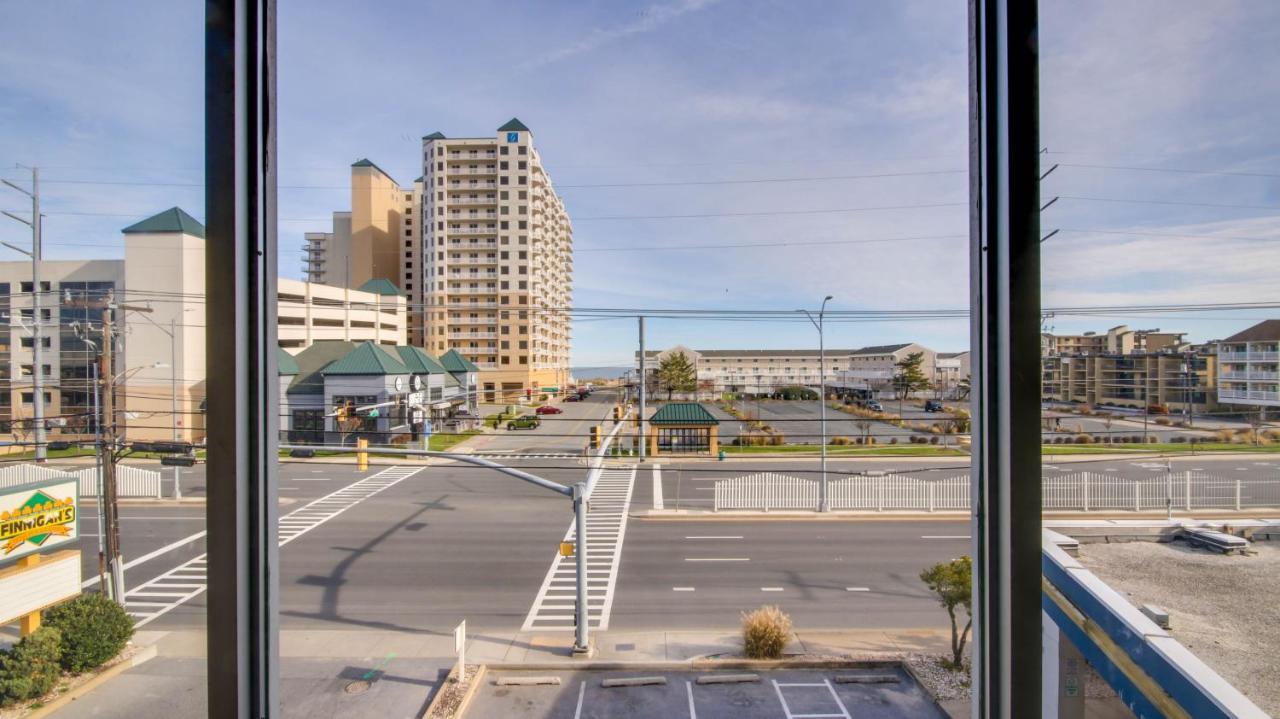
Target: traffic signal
595, 437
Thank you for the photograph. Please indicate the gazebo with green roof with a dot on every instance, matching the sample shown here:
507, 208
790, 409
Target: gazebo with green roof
683, 427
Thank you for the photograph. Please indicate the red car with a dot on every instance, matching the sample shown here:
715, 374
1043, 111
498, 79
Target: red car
548, 409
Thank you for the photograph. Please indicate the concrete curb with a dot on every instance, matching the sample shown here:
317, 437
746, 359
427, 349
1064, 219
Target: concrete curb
702, 515
144, 655
470, 694
703, 664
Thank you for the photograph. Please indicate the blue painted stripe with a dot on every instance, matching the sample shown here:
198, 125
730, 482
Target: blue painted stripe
1102, 664
1166, 674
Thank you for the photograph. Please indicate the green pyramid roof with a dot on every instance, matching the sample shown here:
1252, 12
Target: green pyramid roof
173, 219
286, 364
418, 361
513, 125
683, 413
455, 362
366, 162
312, 362
380, 286
369, 359
437, 135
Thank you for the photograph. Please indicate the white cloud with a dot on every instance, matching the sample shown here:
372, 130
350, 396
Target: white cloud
646, 20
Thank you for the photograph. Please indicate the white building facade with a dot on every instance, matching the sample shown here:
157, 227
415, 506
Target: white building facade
1249, 366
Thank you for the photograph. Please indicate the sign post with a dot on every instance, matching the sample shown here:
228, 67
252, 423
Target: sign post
460, 646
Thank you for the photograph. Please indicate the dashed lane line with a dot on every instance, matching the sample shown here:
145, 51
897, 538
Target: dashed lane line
190, 579
553, 606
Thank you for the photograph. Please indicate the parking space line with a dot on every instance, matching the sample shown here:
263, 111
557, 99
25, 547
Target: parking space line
857, 589
771, 589
582, 690
843, 709
682, 589
151, 555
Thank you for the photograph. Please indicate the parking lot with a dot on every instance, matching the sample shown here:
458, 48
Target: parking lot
800, 421
879, 693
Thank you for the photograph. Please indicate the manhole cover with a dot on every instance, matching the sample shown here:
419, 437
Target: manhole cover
359, 686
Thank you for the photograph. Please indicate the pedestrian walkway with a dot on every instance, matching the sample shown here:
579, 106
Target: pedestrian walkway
157, 597
553, 608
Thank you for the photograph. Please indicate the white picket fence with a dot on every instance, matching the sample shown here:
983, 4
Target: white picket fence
766, 491
130, 481
1081, 491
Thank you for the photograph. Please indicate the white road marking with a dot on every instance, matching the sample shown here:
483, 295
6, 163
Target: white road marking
152, 555
716, 536
310, 479
717, 559
1242, 469
657, 487
582, 689
771, 589
857, 589
190, 577
688, 687
606, 530
682, 589
945, 536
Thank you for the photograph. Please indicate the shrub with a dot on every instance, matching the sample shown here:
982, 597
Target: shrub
893, 440
1225, 435
1084, 439
94, 629
841, 441
30, 669
777, 439
765, 632
1163, 421
1177, 439
933, 440
871, 440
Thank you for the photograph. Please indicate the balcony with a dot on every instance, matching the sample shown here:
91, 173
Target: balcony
492, 260
1248, 356
455, 185
463, 277
458, 335
477, 230
486, 170
1263, 376
472, 291
473, 155
1250, 395
473, 244
473, 200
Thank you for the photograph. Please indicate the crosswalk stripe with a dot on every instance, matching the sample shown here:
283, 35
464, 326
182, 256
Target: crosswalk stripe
606, 530
191, 577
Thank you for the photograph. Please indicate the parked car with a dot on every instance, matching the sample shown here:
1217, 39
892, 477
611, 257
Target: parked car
874, 406
572, 398
528, 421
933, 405
1158, 409
548, 409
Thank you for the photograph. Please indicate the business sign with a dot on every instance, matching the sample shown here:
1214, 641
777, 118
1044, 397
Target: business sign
35, 517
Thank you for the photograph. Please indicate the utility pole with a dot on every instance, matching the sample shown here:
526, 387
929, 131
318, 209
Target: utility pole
37, 364
824, 504
644, 376
110, 510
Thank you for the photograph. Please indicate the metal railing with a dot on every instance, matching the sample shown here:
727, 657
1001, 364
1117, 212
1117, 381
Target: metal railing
1081, 491
130, 481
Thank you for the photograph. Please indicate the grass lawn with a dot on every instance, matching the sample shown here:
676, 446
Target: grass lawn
1166, 447
442, 442
888, 450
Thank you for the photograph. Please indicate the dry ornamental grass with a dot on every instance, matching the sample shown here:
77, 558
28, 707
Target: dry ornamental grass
765, 632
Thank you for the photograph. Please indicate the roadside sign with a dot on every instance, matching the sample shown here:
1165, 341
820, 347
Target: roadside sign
36, 517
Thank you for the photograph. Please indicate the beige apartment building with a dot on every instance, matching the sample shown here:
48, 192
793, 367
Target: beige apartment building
1249, 366
1180, 381
378, 238
1117, 340
310, 312
497, 261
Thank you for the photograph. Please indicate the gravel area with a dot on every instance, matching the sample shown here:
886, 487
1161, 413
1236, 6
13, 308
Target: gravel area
1222, 608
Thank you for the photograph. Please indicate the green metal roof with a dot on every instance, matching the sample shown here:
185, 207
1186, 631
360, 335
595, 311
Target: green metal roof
380, 286
312, 362
437, 135
513, 125
286, 364
455, 362
367, 359
683, 413
418, 361
173, 219
366, 162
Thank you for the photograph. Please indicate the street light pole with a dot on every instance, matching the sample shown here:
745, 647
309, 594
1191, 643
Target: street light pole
824, 503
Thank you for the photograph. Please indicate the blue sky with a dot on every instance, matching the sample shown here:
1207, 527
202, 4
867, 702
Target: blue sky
704, 91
